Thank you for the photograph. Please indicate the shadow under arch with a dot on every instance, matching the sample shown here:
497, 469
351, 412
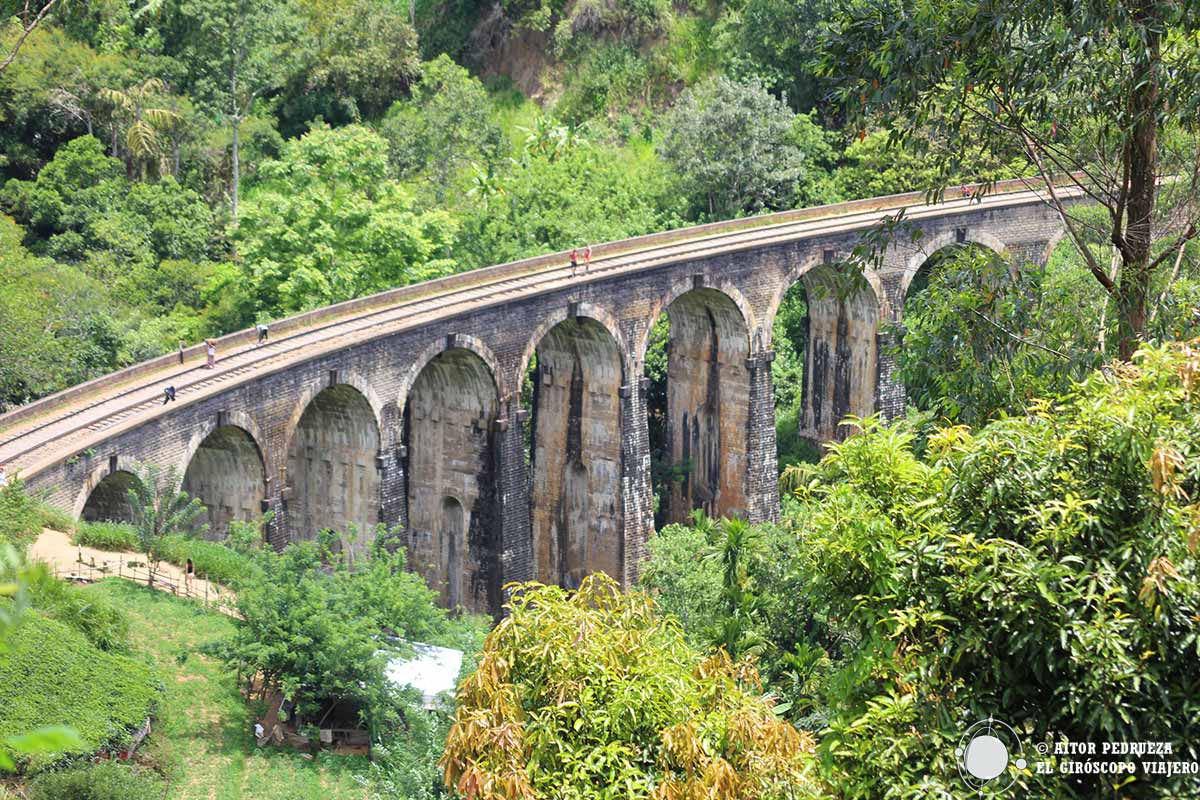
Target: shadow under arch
105, 493
449, 414
227, 471
699, 421
576, 449
332, 473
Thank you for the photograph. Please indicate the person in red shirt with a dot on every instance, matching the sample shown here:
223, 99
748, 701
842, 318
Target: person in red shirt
574, 261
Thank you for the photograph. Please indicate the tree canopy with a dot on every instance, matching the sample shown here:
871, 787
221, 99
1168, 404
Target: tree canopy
1099, 95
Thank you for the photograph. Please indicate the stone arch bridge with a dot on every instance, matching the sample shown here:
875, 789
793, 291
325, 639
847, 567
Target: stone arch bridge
406, 407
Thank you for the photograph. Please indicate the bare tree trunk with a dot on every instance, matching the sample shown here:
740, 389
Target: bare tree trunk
236, 171
1114, 266
1134, 286
237, 115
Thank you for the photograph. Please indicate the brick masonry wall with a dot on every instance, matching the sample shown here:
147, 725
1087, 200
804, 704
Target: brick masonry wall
383, 370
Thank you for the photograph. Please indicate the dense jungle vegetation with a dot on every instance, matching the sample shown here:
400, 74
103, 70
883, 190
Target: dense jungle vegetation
1023, 544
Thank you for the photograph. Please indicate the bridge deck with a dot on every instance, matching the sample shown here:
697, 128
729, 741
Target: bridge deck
55, 428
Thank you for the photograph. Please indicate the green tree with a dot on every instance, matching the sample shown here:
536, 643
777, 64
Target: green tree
48, 97
27, 16
591, 695
774, 41
1042, 570
327, 223
314, 629
56, 327
162, 510
443, 127
144, 123
732, 146
978, 341
362, 57
1105, 93
588, 192
236, 52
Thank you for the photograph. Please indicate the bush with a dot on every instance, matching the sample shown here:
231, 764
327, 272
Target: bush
104, 625
590, 695
105, 781
20, 515
1042, 570
56, 519
52, 675
212, 560
114, 536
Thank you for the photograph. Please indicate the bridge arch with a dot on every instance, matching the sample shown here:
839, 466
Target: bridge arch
806, 270
682, 287
452, 341
226, 468
590, 311
575, 446
449, 411
332, 472
700, 421
103, 495
929, 250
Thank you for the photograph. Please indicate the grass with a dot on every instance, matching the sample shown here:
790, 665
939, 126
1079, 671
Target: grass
212, 560
51, 675
203, 736
112, 536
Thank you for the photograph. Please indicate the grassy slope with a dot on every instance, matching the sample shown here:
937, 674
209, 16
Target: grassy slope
203, 737
51, 675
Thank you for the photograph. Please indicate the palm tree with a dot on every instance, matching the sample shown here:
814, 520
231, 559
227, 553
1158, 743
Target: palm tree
735, 544
142, 139
162, 509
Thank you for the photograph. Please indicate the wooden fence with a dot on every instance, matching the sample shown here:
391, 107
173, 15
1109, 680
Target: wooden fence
91, 569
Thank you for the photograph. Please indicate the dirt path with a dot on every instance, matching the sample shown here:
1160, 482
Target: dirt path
69, 561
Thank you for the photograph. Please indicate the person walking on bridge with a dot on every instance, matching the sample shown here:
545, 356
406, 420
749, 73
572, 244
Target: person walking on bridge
211, 349
587, 258
263, 330
574, 260
168, 395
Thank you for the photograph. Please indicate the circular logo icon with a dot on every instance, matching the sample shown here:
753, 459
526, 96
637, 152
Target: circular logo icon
985, 754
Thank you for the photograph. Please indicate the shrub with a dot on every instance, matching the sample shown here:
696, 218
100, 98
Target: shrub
114, 536
52, 675
212, 560
104, 781
20, 515
1043, 570
590, 695
104, 625
55, 518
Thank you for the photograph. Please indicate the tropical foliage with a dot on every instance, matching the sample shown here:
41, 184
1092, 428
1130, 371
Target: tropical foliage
1042, 570
590, 694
